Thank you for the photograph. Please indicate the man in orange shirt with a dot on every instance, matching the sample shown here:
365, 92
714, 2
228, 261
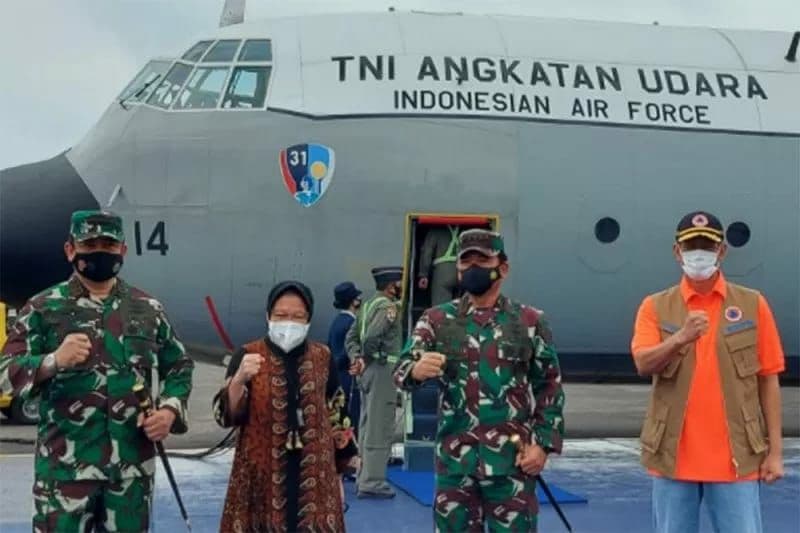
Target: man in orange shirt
713, 424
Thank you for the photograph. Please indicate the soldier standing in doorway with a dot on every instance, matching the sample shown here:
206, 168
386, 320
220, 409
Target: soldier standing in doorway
437, 263
80, 346
373, 344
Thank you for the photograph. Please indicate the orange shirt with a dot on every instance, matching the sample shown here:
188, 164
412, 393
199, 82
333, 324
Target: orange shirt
704, 452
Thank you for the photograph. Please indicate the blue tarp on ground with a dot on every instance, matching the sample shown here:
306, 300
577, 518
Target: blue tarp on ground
420, 486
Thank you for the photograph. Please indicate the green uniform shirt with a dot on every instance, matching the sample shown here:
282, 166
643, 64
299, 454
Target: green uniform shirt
502, 378
87, 427
376, 333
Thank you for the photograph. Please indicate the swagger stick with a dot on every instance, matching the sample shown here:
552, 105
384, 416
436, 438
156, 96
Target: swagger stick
518, 443
146, 404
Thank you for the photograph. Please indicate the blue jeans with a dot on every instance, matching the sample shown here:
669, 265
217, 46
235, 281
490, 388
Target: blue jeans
733, 507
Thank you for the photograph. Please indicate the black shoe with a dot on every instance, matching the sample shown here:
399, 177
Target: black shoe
376, 495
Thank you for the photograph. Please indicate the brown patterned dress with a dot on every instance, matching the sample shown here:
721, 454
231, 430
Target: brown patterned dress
276, 486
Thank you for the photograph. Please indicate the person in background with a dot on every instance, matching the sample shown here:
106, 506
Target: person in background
373, 345
347, 299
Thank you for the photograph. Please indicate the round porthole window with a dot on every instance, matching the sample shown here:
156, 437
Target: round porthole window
738, 234
606, 230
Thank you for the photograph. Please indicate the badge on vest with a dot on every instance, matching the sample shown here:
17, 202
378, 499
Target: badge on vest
733, 314
739, 326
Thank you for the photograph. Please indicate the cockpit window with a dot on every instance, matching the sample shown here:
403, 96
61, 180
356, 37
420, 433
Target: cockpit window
247, 88
256, 50
224, 74
145, 82
222, 51
203, 89
169, 87
196, 52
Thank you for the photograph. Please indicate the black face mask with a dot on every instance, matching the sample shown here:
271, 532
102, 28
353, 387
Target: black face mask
99, 266
477, 280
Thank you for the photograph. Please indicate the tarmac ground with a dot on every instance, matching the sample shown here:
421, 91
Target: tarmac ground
600, 462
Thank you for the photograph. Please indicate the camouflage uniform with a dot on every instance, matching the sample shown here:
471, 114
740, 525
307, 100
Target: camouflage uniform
376, 337
502, 378
92, 462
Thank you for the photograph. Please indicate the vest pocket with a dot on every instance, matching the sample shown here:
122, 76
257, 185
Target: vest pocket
742, 347
746, 361
653, 430
753, 428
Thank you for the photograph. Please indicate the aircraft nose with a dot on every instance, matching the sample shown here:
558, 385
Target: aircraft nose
36, 201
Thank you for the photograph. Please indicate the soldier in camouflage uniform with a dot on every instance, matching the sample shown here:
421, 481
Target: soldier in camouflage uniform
79, 347
373, 343
500, 376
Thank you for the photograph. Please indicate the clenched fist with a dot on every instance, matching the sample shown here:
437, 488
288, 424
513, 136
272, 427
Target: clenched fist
249, 367
695, 326
429, 366
74, 350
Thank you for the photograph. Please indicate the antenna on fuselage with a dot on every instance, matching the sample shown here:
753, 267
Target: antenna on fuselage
232, 13
791, 55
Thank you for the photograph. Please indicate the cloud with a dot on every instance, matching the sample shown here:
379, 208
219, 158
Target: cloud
69, 60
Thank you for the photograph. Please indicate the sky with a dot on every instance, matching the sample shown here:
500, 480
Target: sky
62, 62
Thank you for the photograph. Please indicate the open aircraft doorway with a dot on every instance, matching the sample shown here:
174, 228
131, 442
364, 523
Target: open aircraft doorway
431, 245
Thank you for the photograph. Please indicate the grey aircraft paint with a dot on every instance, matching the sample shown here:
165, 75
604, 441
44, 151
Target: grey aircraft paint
207, 212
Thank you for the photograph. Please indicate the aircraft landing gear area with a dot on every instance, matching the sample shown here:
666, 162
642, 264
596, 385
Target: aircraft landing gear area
19, 411
16, 410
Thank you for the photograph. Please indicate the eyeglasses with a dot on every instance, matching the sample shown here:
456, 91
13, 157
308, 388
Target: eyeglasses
296, 317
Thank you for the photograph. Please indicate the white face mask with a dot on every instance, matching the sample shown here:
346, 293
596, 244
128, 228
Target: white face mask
699, 264
288, 335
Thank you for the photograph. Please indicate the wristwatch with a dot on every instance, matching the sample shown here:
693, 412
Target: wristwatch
49, 363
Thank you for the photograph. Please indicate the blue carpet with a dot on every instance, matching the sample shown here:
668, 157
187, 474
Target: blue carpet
420, 486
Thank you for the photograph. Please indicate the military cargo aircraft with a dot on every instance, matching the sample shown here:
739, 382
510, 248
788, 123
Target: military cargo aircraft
319, 146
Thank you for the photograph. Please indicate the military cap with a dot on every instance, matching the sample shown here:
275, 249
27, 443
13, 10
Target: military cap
96, 223
344, 294
489, 243
387, 274
699, 224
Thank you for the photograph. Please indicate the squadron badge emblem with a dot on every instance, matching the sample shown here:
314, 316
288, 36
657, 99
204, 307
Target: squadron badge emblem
307, 170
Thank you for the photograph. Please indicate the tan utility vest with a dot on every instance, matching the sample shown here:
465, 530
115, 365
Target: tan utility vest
738, 368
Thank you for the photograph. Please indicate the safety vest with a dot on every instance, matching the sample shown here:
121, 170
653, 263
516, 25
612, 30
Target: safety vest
738, 368
450, 254
363, 314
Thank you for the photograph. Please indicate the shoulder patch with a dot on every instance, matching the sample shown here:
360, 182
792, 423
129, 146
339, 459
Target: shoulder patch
391, 313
